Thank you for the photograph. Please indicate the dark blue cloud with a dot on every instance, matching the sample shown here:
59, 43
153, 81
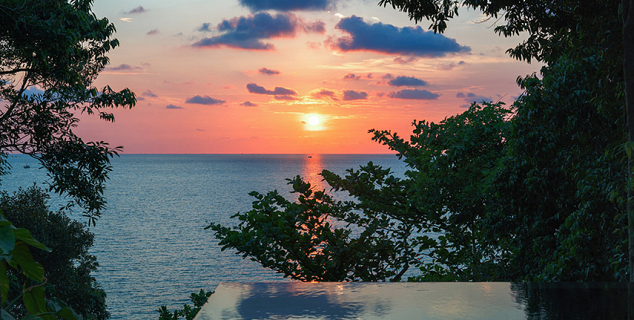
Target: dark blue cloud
388, 39
206, 100
279, 91
403, 81
247, 32
285, 98
248, 104
149, 93
138, 9
286, 5
124, 67
414, 94
205, 27
354, 95
405, 60
471, 97
323, 93
268, 71
450, 66
354, 76
171, 106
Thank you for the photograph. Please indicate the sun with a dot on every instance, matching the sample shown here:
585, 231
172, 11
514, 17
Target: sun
313, 120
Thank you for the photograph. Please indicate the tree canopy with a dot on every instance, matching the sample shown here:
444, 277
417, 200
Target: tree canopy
556, 29
68, 266
51, 52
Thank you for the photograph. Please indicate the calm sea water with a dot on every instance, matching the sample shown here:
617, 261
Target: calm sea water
150, 242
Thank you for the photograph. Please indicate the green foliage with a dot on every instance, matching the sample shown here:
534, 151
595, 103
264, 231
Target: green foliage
311, 239
593, 36
451, 164
556, 205
69, 265
564, 172
16, 254
187, 312
50, 54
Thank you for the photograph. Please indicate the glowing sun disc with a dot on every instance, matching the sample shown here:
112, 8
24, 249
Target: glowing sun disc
313, 120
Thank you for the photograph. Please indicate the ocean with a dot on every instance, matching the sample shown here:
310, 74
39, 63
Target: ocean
150, 242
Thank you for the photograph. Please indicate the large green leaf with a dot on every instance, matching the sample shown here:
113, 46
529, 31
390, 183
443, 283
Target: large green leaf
35, 303
30, 268
25, 235
62, 310
7, 239
5, 315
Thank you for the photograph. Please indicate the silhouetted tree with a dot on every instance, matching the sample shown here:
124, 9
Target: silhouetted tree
50, 53
555, 28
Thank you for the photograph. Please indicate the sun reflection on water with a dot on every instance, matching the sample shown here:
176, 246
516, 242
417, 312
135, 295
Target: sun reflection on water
313, 165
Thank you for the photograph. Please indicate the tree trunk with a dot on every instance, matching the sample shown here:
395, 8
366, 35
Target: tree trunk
628, 70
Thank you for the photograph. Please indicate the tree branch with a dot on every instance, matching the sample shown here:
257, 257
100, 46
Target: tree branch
7, 114
15, 71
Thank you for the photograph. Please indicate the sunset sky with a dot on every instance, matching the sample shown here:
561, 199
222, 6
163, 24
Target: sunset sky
246, 76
